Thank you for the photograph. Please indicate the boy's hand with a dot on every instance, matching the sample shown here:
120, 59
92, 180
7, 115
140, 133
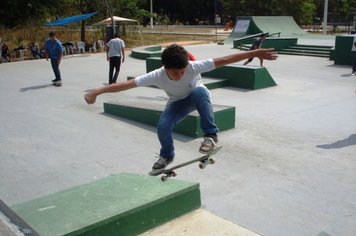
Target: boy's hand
268, 54
90, 97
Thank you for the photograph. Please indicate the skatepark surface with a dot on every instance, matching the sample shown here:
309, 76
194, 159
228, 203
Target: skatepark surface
288, 168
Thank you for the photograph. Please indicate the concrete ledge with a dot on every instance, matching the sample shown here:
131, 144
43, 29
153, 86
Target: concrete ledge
146, 51
153, 63
210, 83
124, 204
148, 110
246, 77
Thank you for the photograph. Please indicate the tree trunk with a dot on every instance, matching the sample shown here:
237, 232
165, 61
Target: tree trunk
82, 31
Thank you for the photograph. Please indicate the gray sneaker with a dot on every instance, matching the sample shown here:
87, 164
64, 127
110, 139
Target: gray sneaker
207, 145
160, 165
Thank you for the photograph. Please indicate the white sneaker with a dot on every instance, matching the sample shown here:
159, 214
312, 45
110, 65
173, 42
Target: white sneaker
160, 166
207, 145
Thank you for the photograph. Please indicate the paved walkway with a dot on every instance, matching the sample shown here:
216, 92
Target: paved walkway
288, 168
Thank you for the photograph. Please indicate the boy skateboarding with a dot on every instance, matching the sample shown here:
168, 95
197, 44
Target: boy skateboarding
181, 80
257, 45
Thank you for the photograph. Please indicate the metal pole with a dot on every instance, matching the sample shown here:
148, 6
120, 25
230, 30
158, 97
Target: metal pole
325, 20
216, 28
151, 11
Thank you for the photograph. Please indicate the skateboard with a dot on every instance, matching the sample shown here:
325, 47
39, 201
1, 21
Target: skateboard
204, 161
57, 84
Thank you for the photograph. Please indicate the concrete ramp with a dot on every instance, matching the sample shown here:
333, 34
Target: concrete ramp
274, 24
249, 25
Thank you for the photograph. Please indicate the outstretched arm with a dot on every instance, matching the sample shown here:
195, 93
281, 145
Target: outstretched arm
90, 97
267, 54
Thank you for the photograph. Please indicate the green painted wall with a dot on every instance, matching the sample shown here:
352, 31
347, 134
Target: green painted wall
342, 54
153, 63
147, 51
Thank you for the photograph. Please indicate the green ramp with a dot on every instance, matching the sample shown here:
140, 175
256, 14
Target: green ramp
123, 204
250, 25
274, 24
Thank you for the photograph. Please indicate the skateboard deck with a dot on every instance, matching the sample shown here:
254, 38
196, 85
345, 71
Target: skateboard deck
204, 161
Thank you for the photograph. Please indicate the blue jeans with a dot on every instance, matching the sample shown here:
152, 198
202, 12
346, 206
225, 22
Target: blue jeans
55, 67
199, 99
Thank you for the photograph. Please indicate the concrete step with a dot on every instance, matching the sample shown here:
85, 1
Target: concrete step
302, 48
197, 223
306, 51
303, 54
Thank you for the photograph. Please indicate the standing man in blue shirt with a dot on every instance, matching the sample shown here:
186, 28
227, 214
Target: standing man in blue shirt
54, 51
114, 53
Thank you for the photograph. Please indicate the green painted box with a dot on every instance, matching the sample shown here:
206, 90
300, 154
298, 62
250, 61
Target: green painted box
123, 204
148, 110
342, 53
246, 77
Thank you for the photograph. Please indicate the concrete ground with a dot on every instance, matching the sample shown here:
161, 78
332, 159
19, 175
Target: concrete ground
288, 168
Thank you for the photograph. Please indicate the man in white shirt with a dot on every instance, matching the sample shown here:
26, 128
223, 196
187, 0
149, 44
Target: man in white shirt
353, 51
181, 80
114, 53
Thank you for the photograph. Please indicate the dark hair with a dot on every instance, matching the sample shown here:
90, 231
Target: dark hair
175, 57
116, 35
52, 33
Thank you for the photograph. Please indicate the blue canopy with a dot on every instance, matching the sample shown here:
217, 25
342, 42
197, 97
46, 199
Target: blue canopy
71, 19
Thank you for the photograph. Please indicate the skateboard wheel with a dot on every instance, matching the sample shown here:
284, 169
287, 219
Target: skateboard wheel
202, 165
212, 161
164, 178
174, 174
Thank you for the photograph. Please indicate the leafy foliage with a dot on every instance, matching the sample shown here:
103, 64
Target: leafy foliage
17, 13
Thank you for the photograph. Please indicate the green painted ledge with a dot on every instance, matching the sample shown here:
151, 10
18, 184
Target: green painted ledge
148, 111
123, 204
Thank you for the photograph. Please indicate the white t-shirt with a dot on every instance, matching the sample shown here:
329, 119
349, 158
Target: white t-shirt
177, 89
353, 44
115, 45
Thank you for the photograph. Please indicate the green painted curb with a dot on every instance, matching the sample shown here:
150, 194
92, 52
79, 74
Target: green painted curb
123, 204
148, 111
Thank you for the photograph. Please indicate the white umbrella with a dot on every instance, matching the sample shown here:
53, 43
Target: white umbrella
116, 18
